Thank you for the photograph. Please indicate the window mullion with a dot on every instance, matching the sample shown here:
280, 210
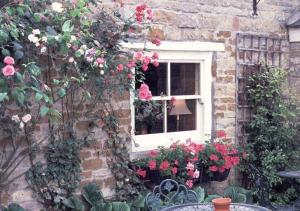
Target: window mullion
165, 116
169, 79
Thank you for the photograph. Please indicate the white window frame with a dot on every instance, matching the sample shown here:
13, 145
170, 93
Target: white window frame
180, 52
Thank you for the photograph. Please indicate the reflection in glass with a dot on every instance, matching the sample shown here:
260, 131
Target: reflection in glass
185, 79
156, 79
148, 117
182, 115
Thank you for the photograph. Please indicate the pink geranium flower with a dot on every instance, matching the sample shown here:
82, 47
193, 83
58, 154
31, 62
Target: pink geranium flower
9, 60
8, 70
196, 174
190, 166
189, 183
152, 164
174, 170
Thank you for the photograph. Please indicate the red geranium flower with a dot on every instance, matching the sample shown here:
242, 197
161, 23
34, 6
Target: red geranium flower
190, 173
222, 148
221, 134
152, 164
153, 153
141, 173
213, 157
164, 165
235, 160
213, 168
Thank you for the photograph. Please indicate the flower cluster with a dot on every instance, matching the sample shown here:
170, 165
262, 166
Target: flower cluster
25, 119
143, 12
8, 69
186, 162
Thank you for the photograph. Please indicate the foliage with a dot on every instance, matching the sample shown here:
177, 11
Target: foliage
62, 64
272, 129
148, 111
93, 195
13, 207
61, 175
183, 162
237, 195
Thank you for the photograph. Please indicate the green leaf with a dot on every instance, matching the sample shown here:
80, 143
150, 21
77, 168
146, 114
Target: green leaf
102, 207
38, 96
61, 92
44, 111
5, 52
14, 207
200, 194
3, 96
19, 95
120, 206
18, 54
139, 202
67, 27
3, 36
92, 194
209, 198
33, 69
74, 202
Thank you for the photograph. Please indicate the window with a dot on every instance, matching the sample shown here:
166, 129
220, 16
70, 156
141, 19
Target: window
184, 73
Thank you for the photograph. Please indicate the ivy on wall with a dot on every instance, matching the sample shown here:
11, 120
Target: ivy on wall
272, 130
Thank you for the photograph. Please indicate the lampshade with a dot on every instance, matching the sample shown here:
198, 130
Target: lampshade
179, 108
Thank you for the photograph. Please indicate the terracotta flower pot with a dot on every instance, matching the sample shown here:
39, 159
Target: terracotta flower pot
221, 204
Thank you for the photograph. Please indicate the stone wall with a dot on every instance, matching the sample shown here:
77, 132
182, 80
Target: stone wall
182, 20
295, 68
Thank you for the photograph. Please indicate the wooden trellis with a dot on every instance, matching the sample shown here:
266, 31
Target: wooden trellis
252, 50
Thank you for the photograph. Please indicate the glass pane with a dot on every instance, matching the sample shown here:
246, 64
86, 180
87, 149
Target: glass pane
185, 79
156, 79
181, 115
149, 117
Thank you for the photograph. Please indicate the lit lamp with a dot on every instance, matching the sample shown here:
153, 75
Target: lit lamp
179, 108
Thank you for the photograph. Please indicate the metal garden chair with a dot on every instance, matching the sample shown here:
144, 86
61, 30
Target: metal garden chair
169, 193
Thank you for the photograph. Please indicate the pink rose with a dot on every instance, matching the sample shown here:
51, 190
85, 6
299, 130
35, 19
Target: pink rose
156, 41
138, 55
144, 87
147, 60
8, 70
129, 76
100, 60
145, 67
149, 97
155, 63
143, 94
9, 60
155, 55
120, 68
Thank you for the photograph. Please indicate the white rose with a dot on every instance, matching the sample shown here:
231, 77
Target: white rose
47, 88
33, 38
37, 44
15, 118
44, 39
89, 59
69, 45
73, 38
56, 37
71, 59
57, 7
102, 72
26, 118
84, 47
43, 49
36, 31
21, 125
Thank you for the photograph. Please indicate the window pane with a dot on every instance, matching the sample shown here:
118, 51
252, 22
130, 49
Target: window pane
156, 79
185, 79
181, 115
149, 117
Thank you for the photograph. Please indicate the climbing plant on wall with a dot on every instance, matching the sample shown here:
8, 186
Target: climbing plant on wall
273, 128
61, 63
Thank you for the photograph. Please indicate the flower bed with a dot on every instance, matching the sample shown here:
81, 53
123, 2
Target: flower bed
190, 163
